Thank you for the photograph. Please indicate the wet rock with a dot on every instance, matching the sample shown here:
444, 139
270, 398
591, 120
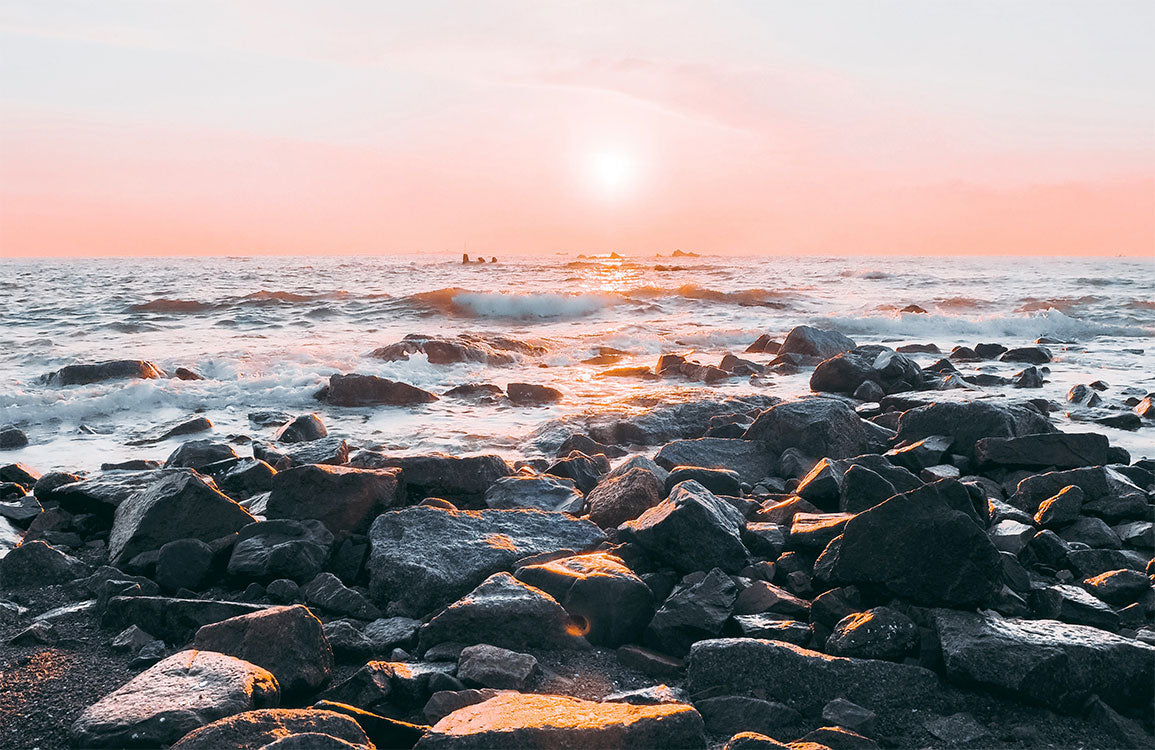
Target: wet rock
463, 481
967, 423
585, 471
814, 426
19, 473
1123, 421
100, 371
541, 492
343, 498
1055, 664
444, 351
184, 564
836, 738
174, 620
327, 592
424, 557
261, 728
1061, 508
382, 686
526, 720
1107, 494
12, 438
330, 451
770, 627
247, 477
478, 392
719, 481
623, 497
287, 641
1074, 605
691, 530
888, 370
862, 489
167, 701
532, 394
727, 715
813, 531
369, 390
1119, 587
1011, 536
879, 633
302, 429
588, 446
505, 612
1146, 408
282, 548
697, 609
816, 342
489, 666
1060, 450
1028, 378
1084, 395
596, 589
923, 545
1093, 532
190, 427
806, 680
749, 459
37, 564
177, 505
197, 454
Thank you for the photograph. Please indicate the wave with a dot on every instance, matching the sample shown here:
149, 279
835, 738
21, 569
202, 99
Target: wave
743, 297
1050, 323
1063, 304
172, 306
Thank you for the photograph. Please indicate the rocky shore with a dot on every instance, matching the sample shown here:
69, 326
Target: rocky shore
872, 565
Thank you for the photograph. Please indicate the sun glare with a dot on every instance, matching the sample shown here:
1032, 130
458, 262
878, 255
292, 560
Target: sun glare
612, 172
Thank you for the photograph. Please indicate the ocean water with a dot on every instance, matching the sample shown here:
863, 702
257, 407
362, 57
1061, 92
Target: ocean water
267, 332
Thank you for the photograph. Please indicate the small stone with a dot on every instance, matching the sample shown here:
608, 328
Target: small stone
489, 666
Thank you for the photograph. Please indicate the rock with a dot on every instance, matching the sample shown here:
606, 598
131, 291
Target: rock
109, 370
879, 633
287, 641
526, 720
19, 473
585, 471
1074, 605
183, 564
1035, 355
261, 728
479, 392
762, 596
36, 564
588, 446
815, 426
1060, 450
889, 371
1011, 536
1093, 532
489, 666
610, 603
189, 427
1092, 562
1124, 421
174, 620
813, 531
197, 454
330, 451
382, 686
1028, 378
445, 702
532, 394
719, 481
168, 700
247, 477
382, 731
749, 459
12, 438
1047, 662
648, 696
178, 505
957, 729
623, 497
302, 429
1146, 408
862, 489
835, 738
854, 717
131, 640
806, 680
758, 741
424, 557
327, 592
967, 423
462, 481
1107, 494
1085, 395
815, 342
504, 612
1061, 508
727, 715
922, 545
769, 627
99, 495
283, 548
697, 609
341, 497
1119, 587
542, 492
369, 390
691, 530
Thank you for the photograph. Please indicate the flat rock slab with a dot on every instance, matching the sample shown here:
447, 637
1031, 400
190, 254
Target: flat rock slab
514, 720
173, 697
255, 729
1058, 449
173, 620
425, 557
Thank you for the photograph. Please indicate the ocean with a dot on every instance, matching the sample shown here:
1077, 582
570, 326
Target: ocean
267, 332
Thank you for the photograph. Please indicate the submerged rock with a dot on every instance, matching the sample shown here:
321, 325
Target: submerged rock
370, 390
110, 370
302, 429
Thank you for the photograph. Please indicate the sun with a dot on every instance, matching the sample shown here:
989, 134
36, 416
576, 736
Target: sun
612, 173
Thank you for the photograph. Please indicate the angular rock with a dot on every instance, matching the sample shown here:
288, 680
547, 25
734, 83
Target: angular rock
369, 390
460, 480
12, 438
816, 426
183, 564
343, 498
174, 620
854, 717
197, 454
691, 530
967, 423
585, 471
532, 394
623, 497
283, 548
879, 633
1119, 587
37, 564
816, 342
768, 626
173, 697
302, 429
541, 492
762, 596
260, 728
1107, 493
697, 609
727, 715
327, 592
1035, 355
1061, 508
489, 666
749, 459
1061, 450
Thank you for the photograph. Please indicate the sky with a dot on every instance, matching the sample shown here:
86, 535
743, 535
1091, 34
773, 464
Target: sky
150, 127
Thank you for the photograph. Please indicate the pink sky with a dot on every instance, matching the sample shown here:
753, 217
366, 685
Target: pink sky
836, 128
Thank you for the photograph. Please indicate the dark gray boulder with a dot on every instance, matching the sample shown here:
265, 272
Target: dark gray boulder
815, 342
820, 427
341, 497
37, 564
879, 633
174, 620
845, 373
623, 497
197, 454
585, 471
263, 727
369, 390
12, 438
184, 564
1061, 450
460, 480
691, 530
1035, 355
750, 459
541, 492
302, 429
697, 609
1107, 493
969, 422
281, 548
111, 370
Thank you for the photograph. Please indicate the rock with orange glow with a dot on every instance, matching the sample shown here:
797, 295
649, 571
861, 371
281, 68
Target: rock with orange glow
517, 720
173, 697
598, 588
623, 497
254, 729
178, 505
422, 558
542, 492
691, 530
341, 497
879, 633
821, 427
95, 373
369, 390
505, 612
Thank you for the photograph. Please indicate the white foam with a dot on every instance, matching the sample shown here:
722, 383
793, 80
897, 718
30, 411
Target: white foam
1016, 326
531, 306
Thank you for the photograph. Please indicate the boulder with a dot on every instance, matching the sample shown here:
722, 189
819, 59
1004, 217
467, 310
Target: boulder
197, 454
492, 667
530, 394
247, 477
1061, 450
727, 715
330, 451
815, 342
110, 370
328, 593
283, 548
184, 564
854, 717
605, 597
1061, 508
174, 620
691, 530
99, 494
341, 497
532, 721
177, 505
37, 564
623, 497
540, 492
816, 426
369, 390
1119, 587
440, 350
173, 697
260, 728
423, 557
287, 641
302, 429
1107, 493
384, 687
1051, 663
924, 545
879, 633
12, 438
806, 680
462, 481
885, 368
967, 423
585, 471
697, 609
504, 612
1035, 355
749, 459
